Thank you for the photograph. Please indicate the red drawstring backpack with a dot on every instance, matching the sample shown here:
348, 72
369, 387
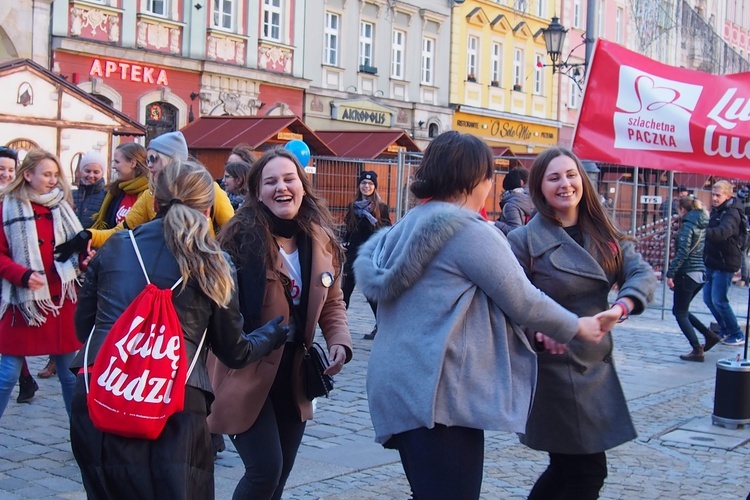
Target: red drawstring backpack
139, 375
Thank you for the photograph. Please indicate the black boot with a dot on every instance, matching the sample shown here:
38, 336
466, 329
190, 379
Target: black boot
371, 335
695, 355
27, 387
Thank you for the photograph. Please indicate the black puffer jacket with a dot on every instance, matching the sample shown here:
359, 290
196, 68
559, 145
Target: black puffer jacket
359, 229
690, 241
87, 200
722, 245
114, 279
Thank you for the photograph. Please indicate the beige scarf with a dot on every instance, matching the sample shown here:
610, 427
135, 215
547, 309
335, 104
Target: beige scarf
19, 225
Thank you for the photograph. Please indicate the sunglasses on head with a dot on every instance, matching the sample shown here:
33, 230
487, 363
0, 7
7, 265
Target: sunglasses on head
152, 159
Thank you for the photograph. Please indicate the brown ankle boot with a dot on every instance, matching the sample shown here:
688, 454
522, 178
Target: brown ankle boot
695, 355
711, 340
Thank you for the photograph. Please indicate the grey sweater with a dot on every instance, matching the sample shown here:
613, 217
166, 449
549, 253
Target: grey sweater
450, 294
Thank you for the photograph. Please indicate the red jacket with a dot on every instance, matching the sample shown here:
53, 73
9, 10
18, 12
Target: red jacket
57, 334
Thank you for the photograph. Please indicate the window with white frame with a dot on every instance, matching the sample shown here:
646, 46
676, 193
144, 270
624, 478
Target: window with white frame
600, 20
472, 57
576, 13
538, 74
497, 63
272, 19
618, 25
428, 61
331, 47
518, 67
574, 97
541, 8
223, 10
366, 33
398, 49
157, 7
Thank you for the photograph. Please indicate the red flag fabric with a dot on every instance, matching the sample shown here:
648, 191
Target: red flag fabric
637, 111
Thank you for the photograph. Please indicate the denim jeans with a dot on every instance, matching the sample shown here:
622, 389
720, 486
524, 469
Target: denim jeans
716, 297
10, 369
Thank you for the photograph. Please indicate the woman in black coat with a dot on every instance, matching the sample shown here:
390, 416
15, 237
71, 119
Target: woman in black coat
366, 214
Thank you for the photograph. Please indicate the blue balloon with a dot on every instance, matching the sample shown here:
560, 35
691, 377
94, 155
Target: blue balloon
299, 149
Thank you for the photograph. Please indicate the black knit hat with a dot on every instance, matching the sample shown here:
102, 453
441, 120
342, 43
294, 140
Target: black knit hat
368, 175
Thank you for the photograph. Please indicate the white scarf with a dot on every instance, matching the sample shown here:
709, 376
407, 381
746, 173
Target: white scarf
19, 225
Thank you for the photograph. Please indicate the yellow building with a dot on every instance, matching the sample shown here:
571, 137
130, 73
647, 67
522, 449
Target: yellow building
499, 87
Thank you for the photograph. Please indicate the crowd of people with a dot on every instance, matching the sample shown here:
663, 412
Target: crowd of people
479, 326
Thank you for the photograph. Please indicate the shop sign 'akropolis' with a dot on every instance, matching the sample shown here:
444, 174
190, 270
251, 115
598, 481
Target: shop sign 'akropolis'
637, 111
140, 73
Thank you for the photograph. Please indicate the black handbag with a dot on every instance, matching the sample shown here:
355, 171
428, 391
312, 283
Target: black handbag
315, 361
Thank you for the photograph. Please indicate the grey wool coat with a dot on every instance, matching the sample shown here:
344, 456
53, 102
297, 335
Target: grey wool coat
579, 407
448, 351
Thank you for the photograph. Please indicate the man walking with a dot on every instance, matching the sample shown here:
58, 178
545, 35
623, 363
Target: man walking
723, 256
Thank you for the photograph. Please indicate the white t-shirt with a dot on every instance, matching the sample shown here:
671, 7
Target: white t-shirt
295, 273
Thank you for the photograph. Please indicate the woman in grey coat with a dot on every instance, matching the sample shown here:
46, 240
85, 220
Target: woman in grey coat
449, 360
572, 252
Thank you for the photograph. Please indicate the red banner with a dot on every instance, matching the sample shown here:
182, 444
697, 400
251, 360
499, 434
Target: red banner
640, 112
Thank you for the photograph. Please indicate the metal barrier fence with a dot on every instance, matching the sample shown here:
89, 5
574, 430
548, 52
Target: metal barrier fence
639, 208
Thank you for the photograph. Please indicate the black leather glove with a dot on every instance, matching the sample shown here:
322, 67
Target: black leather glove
76, 244
267, 338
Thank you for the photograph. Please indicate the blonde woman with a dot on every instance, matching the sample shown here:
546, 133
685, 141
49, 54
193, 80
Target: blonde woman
38, 292
179, 463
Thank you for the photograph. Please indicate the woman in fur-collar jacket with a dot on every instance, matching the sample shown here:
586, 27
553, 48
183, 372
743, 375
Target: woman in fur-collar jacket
38, 295
448, 360
573, 253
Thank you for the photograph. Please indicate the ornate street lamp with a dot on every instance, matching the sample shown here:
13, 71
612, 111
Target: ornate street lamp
554, 39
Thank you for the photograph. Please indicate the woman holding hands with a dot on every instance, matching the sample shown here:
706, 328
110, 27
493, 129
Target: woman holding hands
573, 253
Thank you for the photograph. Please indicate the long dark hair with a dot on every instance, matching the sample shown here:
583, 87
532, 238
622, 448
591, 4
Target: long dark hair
603, 237
351, 218
250, 228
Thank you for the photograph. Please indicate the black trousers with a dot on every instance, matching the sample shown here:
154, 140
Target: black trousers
268, 448
685, 289
178, 464
348, 282
571, 477
442, 462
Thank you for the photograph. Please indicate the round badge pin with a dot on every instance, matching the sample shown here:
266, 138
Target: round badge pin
327, 279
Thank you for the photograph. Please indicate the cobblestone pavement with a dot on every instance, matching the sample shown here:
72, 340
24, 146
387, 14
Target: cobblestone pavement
678, 453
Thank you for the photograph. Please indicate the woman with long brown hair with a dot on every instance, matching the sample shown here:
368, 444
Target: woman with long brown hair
288, 263
573, 253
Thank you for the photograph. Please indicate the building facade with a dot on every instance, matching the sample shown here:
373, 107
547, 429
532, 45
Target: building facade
378, 64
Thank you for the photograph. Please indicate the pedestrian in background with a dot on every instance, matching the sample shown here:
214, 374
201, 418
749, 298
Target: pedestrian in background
161, 151
38, 291
515, 202
27, 386
130, 183
177, 244
723, 256
574, 254
88, 198
366, 214
687, 274
667, 209
449, 360
235, 182
289, 261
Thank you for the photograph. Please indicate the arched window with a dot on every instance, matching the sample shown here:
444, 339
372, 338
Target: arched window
161, 117
22, 146
433, 130
106, 100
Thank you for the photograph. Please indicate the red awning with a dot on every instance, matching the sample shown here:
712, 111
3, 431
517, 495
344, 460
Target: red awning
366, 144
225, 132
